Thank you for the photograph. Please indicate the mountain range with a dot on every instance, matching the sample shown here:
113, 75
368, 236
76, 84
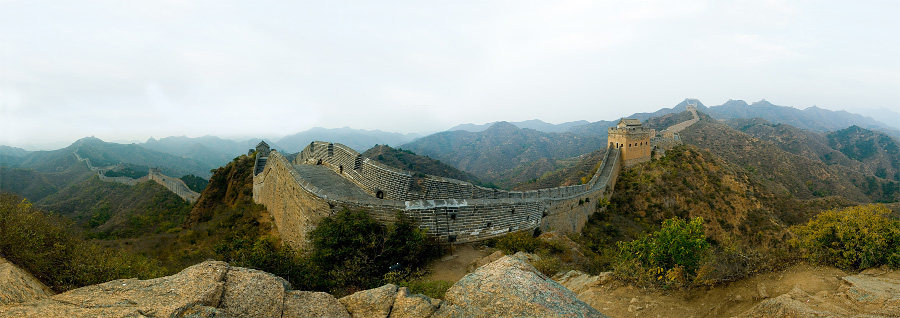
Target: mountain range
504, 154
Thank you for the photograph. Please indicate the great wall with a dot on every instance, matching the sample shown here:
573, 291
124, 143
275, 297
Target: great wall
175, 185
326, 178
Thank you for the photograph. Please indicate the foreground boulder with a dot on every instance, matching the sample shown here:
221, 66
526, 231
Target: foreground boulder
508, 287
209, 289
18, 286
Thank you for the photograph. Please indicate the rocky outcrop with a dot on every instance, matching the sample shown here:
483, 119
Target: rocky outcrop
19, 286
478, 263
508, 287
307, 304
209, 289
872, 293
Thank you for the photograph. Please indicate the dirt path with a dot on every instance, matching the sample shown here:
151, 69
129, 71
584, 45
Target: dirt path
620, 300
452, 267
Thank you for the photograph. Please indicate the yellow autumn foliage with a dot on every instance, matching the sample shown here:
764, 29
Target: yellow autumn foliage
852, 238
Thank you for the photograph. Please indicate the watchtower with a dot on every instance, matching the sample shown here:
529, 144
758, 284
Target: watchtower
263, 149
632, 140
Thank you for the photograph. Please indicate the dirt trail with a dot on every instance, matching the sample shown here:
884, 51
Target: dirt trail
452, 267
621, 300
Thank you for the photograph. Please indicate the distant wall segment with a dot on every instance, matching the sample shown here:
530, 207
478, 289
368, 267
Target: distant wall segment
175, 185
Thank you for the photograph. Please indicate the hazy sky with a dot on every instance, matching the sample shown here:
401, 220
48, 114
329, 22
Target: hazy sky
129, 70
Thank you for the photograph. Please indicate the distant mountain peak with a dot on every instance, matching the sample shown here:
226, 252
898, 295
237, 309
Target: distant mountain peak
735, 103
762, 102
503, 126
690, 101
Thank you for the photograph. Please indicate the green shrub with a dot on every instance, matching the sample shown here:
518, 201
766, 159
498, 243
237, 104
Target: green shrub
417, 284
52, 251
547, 264
517, 242
852, 238
264, 253
668, 257
355, 251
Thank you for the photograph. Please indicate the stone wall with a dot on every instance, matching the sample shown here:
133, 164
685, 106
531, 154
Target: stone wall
175, 185
294, 206
449, 210
375, 178
396, 184
297, 205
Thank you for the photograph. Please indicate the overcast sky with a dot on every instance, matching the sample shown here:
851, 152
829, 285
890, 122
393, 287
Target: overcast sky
129, 70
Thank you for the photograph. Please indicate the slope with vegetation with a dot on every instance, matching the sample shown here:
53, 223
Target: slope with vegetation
784, 172
52, 250
350, 250
878, 153
114, 210
744, 219
578, 171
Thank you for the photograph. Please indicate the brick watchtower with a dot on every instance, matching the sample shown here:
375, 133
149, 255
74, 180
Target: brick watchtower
632, 140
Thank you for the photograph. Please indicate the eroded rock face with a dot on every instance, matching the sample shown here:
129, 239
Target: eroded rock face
508, 287
19, 286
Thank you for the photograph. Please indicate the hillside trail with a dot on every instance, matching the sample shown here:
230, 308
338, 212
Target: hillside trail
820, 286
